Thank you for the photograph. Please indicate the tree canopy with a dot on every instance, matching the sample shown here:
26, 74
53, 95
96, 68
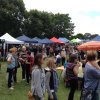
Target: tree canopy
11, 16
15, 20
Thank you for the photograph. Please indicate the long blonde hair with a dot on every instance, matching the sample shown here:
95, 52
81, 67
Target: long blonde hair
51, 63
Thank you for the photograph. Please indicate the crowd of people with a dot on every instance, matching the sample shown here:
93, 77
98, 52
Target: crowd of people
45, 78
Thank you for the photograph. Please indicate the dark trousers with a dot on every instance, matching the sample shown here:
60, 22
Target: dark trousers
10, 76
28, 75
73, 87
36, 97
15, 74
23, 70
48, 53
54, 96
63, 60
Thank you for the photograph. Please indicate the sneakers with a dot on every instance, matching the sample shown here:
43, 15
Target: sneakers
11, 88
23, 79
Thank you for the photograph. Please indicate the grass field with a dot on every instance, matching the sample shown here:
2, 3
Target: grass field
21, 88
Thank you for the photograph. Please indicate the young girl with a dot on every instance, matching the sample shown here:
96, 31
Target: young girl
51, 80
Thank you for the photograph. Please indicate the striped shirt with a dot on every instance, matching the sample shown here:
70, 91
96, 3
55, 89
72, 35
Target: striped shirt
23, 55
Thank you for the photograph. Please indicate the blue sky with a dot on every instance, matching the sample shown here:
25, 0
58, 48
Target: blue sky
84, 13
91, 14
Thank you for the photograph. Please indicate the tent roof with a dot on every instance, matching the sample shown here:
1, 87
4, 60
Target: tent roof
63, 39
56, 40
73, 40
26, 39
10, 40
78, 40
36, 39
97, 38
46, 41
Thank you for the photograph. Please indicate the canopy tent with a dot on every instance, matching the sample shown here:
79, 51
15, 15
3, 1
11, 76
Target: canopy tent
56, 40
46, 41
36, 39
10, 40
26, 39
92, 45
76, 40
63, 40
73, 40
97, 38
84, 40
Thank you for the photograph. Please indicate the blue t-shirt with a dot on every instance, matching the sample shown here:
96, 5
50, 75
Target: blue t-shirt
12, 64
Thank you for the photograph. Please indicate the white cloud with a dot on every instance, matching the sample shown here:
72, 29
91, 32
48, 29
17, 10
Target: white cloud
84, 23
87, 24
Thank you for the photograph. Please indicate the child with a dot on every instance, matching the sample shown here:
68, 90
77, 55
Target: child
51, 80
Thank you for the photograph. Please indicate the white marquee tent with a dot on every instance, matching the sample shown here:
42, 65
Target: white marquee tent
10, 40
78, 40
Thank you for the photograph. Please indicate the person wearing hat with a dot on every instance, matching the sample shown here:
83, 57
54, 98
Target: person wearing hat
11, 67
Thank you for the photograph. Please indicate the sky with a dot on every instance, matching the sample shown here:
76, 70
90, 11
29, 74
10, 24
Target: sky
85, 14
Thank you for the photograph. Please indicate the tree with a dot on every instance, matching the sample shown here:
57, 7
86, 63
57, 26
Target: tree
80, 36
94, 35
11, 16
43, 24
87, 35
63, 25
33, 23
15, 20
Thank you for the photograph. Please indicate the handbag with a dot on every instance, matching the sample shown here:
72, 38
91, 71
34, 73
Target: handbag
88, 94
30, 96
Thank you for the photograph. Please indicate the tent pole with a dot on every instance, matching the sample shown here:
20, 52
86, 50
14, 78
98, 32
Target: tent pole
7, 48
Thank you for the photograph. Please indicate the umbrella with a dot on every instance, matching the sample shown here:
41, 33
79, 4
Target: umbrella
93, 45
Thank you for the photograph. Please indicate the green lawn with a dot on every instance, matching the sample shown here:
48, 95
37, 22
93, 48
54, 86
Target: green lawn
21, 88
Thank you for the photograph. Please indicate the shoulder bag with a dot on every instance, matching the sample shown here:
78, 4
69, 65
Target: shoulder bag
88, 94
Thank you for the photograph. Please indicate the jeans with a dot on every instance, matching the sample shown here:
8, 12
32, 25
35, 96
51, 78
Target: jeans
23, 70
73, 87
63, 60
15, 75
54, 96
10, 77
